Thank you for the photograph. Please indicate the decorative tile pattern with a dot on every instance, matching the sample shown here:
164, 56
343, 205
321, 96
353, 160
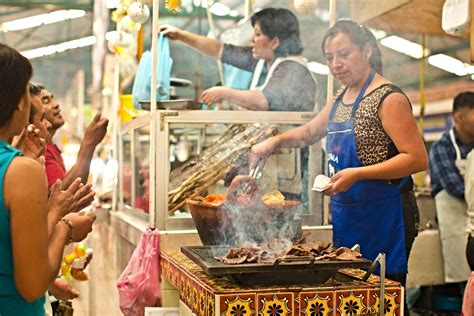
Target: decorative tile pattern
346, 295
275, 304
238, 305
392, 301
351, 302
316, 304
211, 304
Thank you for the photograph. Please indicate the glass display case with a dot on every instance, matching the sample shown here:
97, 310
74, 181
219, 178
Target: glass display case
200, 152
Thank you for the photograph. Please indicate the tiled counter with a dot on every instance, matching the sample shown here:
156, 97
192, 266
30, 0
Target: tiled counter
211, 295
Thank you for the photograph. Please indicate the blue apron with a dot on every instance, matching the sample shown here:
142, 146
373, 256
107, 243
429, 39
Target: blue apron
370, 213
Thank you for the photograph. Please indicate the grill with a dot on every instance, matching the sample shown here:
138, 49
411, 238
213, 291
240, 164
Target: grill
304, 271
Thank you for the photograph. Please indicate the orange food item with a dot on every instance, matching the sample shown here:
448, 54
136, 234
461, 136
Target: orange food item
215, 199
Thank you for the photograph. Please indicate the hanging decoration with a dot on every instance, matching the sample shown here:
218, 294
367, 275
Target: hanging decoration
129, 26
138, 12
173, 5
305, 6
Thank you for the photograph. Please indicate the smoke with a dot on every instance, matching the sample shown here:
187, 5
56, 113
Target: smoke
249, 220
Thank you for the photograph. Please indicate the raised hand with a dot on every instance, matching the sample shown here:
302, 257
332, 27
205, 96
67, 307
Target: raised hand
96, 130
172, 32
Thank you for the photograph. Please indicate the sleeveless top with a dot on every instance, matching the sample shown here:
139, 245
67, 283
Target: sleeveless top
11, 302
373, 145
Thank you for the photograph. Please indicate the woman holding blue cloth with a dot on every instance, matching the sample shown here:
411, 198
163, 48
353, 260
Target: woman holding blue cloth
281, 79
373, 147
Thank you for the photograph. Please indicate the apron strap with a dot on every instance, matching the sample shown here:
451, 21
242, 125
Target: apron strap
455, 144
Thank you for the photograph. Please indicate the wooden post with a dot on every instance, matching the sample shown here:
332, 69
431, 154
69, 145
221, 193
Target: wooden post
471, 35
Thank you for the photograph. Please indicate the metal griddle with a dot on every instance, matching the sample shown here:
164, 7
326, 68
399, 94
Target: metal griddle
283, 273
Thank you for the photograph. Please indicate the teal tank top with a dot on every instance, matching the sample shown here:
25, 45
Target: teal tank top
11, 302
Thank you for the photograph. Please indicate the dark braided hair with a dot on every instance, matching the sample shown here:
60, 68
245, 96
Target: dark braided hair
281, 23
359, 35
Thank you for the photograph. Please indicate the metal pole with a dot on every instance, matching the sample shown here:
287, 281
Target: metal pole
382, 284
154, 61
332, 21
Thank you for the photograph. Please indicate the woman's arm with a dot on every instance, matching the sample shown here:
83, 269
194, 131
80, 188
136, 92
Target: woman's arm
201, 43
400, 125
25, 193
249, 99
299, 137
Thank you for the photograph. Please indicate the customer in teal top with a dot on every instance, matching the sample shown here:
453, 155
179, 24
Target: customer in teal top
29, 257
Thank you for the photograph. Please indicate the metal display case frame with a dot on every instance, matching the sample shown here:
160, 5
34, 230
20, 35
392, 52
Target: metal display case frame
165, 120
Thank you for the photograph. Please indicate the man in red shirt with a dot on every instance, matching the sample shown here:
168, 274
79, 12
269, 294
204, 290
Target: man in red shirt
93, 135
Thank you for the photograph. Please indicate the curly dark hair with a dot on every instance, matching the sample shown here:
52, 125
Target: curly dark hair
281, 23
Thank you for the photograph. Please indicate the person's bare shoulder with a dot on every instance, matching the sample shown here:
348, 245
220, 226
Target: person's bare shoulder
24, 178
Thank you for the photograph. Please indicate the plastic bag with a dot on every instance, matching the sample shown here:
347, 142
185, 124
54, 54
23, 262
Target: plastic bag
141, 85
139, 283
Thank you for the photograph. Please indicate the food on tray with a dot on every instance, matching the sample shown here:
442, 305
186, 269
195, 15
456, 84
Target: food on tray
274, 250
215, 199
273, 197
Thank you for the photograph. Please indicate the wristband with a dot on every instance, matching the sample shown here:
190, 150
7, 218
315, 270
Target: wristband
71, 228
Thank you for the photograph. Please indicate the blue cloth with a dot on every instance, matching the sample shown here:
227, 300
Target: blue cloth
370, 213
443, 171
141, 85
11, 303
237, 78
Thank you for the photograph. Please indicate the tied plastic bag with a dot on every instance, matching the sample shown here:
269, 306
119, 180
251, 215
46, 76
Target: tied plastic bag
141, 90
139, 283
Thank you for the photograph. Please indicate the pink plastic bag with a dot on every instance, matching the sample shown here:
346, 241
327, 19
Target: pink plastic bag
139, 283
468, 302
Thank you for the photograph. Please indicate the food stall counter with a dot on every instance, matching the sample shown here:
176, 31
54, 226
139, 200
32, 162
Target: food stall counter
344, 294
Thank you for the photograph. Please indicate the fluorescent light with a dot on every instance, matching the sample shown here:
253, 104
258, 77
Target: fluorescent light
219, 9
234, 13
59, 48
378, 33
318, 68
451, 64
404, 46
38, 20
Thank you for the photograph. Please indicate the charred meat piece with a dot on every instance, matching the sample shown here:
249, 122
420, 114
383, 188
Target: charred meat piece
279, 249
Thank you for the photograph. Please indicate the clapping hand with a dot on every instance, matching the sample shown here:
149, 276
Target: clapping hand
29, 142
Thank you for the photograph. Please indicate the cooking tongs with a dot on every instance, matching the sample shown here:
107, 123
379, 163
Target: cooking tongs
256, 173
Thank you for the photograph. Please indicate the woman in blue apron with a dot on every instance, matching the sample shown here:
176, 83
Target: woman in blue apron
373, 147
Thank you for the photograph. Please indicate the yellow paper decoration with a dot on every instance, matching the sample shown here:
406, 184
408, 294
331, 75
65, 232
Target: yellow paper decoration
174, 5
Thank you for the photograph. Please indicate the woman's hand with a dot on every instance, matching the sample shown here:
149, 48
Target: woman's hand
262, 150
63, 290
29, 142
343, 181
82, 224
213, 95
83, 197
60, 201
172, 32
